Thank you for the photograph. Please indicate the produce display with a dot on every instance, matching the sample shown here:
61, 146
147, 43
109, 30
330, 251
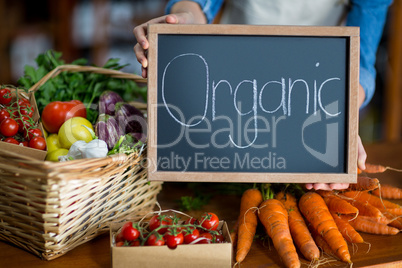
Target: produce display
84, 115
308, 222
17, 125
165, 228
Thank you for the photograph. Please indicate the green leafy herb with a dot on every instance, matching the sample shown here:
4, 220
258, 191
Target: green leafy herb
83, 86
125, 145
188, 203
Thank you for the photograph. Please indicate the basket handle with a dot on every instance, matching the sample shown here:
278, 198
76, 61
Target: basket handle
79, 68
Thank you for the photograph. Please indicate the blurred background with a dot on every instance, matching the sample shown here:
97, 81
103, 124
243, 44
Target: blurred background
101, 29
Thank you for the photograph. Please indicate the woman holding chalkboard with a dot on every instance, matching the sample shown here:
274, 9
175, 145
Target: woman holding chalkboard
370, 16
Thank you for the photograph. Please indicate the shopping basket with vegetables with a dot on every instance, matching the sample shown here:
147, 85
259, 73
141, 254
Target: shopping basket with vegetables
49, 208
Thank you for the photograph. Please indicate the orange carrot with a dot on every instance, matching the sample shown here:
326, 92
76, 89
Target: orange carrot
337, 204
233, 233
363, 196
374, 168
366, 209
347, 230
298, 228
364, 184
366, 226
314, 209
395, 211
394, 220
382, 220
274, 217
388, 191
248, 221
320, 241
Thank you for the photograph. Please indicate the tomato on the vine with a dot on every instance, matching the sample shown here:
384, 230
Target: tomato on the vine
190, 234
4, 114
57, 112
207, 238
155, 240
173, 238
129, 232
209, 221
8, 127
11, 140
24, 143
5, 96
26, 110
32, 132
38, 143
157, 220
24, 122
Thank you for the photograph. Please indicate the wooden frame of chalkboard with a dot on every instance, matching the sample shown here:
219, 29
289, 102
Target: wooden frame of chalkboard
243, 103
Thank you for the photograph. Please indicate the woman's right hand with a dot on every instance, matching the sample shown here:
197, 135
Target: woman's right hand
185, 12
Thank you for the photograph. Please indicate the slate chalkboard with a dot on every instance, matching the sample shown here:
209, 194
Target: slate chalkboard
255, 106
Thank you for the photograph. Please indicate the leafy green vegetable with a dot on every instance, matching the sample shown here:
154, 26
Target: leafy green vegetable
188, 203
125, 145
83, 86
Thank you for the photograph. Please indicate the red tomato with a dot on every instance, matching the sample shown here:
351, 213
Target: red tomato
191, 221
190, 234
209, 221
158, 220
129, 232
11, 140
120, 244
119, 237
4, 114
173, 238
135, 243
5, 96
218, 238
207, 238
24, 143
24, 122
27, 110
21, 101
8, 127
154, 240
32, 132
57, 112
38, 143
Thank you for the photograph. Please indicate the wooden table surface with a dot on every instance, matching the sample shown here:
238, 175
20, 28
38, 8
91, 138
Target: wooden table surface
380, 251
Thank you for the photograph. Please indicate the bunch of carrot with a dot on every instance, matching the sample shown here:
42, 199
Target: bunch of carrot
318, 219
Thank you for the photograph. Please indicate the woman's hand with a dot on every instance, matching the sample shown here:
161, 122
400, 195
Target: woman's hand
361, 160
184, 12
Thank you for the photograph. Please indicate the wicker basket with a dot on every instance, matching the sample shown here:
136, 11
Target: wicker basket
49, 208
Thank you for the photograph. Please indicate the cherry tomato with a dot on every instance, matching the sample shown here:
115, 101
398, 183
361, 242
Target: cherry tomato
119, 237
11, 140
38, 143
154, 240
120, 244
5, 96
218, 238
4, 114
135, 243
24, 122
32, 132
191, 221
190, 234
173, 238
207, 238
209, 221
8, 127
27, 110
129, 232
57, 112
21, 102
158, 220
24, 143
